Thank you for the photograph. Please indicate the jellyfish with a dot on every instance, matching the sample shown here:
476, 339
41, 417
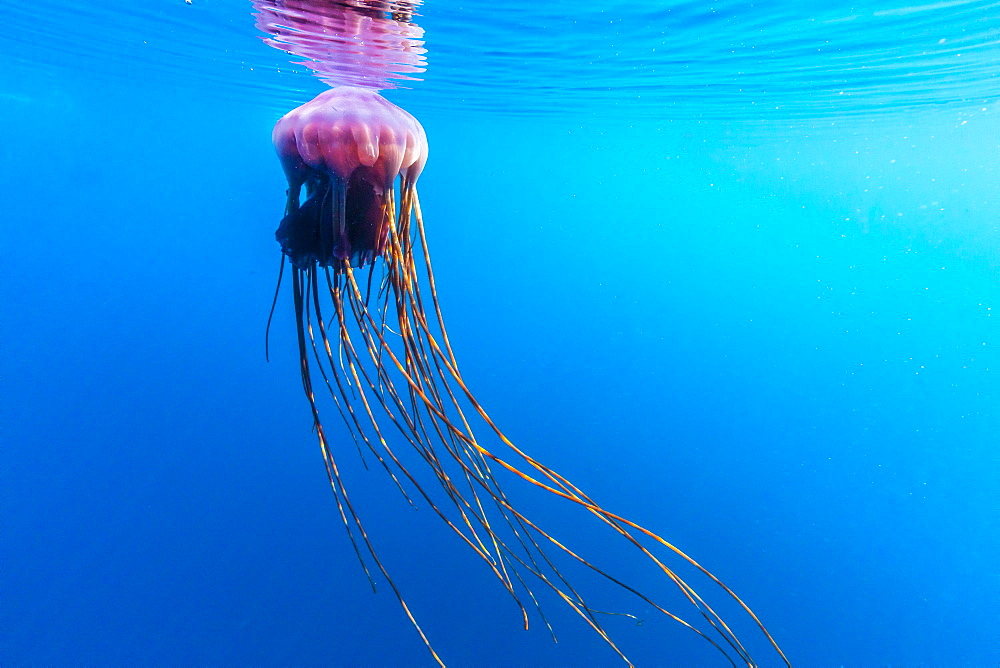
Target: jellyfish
372, 336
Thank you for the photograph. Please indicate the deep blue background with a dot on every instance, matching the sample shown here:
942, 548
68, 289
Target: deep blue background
774, 345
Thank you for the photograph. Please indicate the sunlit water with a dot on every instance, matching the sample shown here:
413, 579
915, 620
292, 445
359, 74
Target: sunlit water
730, 267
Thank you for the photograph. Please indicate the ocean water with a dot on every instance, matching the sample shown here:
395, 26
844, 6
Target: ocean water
731, 268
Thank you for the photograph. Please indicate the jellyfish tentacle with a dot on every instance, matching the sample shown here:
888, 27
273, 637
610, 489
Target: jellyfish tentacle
374, 421
270, 314
582, 610
543, 553
574, 494
580, 607
392, 456
571, 493
380, 346
446, 483
411, 288
357, 295
329, 354
417, 307
354, 429
333, 472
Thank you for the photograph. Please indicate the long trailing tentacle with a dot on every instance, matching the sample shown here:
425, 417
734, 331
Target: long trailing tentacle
394, 367
270, 314
582, 609
575, 602
348, 516
566, 485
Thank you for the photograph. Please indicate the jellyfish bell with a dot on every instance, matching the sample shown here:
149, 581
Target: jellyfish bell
347, 147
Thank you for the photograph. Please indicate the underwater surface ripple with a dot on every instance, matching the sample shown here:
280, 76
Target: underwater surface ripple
729, 60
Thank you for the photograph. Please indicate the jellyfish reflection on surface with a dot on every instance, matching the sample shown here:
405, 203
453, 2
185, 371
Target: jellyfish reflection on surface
381, 350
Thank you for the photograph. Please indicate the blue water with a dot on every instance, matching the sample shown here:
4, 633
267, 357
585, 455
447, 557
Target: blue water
744, 297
